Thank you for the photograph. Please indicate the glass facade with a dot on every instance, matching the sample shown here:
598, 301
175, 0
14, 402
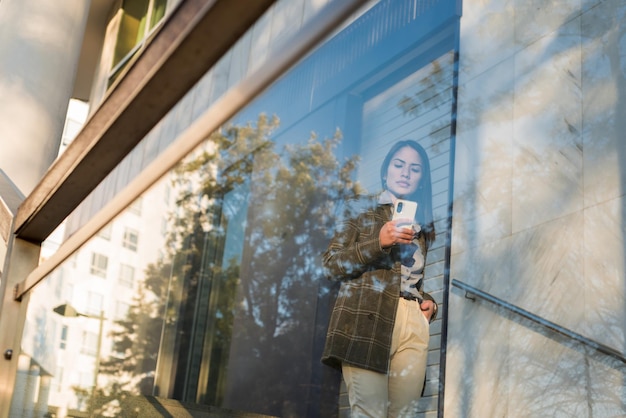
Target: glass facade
206, 294
209, 290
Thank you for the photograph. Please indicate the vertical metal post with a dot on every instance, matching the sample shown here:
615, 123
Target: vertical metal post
98, 350
22, 258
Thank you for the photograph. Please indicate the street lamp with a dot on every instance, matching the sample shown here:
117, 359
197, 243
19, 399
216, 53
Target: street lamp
69, 311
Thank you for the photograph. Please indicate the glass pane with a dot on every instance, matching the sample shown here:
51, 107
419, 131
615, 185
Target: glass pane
158, 12
218, 295
131, 29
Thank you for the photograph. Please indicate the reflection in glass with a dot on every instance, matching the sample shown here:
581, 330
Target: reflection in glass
211, 281
250, 223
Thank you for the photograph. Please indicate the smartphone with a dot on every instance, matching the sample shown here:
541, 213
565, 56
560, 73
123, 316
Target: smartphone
405, 209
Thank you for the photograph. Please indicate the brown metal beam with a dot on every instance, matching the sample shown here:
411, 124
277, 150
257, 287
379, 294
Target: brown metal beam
191, 41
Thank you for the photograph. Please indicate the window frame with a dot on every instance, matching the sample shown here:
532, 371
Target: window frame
130, 240
96, 268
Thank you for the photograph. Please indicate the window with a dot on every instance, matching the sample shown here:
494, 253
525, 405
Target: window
137, 19
121, 309
70, 130
127, 275
260, 237
99, 265
63, 343
131, 238
94, 303
89, 344
76, 115
224, 301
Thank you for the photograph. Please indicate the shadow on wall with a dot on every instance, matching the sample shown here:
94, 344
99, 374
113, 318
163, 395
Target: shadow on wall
551, 270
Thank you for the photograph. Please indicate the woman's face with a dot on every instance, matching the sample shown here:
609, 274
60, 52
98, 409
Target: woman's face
404, 172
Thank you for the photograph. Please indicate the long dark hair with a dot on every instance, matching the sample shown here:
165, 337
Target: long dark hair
424, 193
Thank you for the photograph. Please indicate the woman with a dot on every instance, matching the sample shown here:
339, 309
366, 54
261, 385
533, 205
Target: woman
379, 328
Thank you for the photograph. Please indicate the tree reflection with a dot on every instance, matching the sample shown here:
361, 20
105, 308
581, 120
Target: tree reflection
290, 216
130, 370
232, 309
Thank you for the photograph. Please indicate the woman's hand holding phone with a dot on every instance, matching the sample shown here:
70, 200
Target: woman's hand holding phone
396, 232
400, 230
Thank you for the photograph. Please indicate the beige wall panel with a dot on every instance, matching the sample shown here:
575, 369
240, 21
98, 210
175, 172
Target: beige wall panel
539, 209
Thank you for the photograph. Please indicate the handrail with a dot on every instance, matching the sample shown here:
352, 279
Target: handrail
540, 321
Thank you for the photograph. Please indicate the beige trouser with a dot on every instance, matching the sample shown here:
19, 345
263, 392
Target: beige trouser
378, 395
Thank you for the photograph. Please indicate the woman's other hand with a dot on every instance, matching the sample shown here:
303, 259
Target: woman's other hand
393, 233
428, 308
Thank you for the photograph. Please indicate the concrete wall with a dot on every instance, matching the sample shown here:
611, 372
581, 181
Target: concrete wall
539, 208
39, 41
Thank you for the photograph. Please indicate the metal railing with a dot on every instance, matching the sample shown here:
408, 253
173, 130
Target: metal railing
544, 323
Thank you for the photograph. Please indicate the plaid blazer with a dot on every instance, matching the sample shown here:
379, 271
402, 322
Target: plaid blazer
361, 323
